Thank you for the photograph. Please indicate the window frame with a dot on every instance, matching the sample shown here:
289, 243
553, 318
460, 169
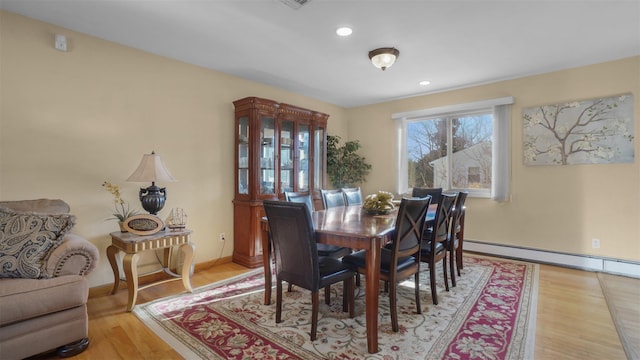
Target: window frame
500, 143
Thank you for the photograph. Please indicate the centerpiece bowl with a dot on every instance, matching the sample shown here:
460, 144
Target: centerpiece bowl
380, 203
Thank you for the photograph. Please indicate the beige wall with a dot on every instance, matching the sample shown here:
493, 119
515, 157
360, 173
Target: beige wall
69, 121
559, 208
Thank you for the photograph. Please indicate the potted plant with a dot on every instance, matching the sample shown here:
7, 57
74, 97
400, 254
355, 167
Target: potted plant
344, 166
122, 207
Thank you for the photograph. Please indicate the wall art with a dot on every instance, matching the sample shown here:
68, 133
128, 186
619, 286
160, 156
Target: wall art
594, 131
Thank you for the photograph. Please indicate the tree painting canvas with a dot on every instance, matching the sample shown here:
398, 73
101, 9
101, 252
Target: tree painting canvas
595, 131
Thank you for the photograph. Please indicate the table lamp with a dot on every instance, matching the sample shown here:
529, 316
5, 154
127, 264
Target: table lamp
152, 169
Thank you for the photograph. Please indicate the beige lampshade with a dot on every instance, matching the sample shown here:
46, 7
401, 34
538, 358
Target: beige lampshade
152, 169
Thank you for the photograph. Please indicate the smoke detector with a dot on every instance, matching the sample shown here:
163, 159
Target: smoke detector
295, 4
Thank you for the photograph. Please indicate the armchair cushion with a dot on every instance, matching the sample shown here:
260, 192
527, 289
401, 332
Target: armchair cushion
26, 240
24, 299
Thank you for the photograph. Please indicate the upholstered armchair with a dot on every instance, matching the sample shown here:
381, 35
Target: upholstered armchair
43, 289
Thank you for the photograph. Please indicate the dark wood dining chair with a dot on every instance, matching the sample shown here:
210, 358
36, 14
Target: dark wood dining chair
401, 258
352, 196
333, 251
460, 236
297, 260
300, 197
453, 243
332, 198
433, 243
435, 193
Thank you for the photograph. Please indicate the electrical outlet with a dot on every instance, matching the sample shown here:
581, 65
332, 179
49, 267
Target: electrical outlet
223, 237
595, 243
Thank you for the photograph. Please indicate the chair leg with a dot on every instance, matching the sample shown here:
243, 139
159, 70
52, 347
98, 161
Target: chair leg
348, 299
444, 272
352, 298
393, 306
315, 298
278, 301
452, 266
459, 254
358, 279
290, 288
417, 290
432, 278
327, 295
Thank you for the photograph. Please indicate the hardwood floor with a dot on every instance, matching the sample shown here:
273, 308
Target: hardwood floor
573, 320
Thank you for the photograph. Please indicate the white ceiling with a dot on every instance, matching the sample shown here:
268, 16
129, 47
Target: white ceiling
451, 43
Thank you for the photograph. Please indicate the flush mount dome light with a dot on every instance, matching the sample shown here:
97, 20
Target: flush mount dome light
382, 58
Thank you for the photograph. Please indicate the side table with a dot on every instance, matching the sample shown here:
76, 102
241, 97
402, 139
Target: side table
132, 245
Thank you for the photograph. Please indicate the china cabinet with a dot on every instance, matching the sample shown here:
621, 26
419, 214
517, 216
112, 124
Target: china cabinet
278, 148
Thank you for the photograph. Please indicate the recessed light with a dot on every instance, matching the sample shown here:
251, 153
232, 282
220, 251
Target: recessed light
344, 31
425, 82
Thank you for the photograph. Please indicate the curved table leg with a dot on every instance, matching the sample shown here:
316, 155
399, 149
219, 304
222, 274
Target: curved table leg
187, 250
130, 264
112, 251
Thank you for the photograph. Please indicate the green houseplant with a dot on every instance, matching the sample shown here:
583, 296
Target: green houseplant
344, 166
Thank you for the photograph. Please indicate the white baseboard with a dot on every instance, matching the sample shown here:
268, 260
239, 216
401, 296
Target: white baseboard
585, 262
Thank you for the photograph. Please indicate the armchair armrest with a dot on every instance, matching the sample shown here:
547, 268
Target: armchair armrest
75, 256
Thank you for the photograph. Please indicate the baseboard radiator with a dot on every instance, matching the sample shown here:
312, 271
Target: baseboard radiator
584, 262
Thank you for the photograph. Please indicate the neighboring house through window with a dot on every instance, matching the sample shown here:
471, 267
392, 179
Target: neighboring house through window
459, 148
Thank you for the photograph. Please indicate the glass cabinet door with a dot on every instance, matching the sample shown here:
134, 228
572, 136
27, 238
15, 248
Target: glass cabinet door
243, 155
286, 156
267, 155
303, 157
319, 160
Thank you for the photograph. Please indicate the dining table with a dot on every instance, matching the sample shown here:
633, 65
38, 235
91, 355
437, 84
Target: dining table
352, 227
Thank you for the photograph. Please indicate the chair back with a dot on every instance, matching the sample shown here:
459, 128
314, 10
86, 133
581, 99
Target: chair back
457, 213
294, 243
409, 228
299, 198
443, 215
434, 192
332, 198
352, 196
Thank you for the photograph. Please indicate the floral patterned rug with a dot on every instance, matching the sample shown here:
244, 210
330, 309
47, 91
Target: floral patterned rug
490, 314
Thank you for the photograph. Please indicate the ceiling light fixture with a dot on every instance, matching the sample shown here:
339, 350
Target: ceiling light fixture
382, 58
344, 31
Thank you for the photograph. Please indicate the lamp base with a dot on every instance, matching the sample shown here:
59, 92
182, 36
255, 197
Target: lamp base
153, 198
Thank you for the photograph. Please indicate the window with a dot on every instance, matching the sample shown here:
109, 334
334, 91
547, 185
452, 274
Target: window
473, 175
460, 147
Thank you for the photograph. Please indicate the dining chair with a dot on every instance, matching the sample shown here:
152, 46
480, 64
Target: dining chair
332, 198
422, 192
352, 196
401, 258
433, 243
297, 260
300, 197
460, 234
323, 249
453, 243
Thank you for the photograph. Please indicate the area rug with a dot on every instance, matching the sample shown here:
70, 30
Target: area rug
490, 314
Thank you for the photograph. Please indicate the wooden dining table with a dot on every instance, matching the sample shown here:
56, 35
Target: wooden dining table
348, 226
351, 227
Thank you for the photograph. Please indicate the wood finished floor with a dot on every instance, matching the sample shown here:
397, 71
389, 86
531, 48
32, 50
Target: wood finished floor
573, 320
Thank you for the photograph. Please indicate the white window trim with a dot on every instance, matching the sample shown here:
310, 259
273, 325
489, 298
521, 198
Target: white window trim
501, 141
